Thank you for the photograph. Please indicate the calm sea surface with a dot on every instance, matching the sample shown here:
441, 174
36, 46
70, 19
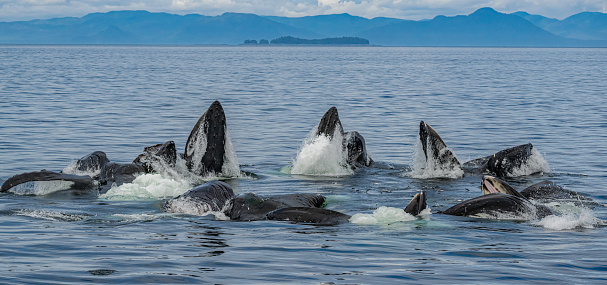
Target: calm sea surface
59, 103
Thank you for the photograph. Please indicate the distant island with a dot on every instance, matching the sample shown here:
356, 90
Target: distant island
288, 40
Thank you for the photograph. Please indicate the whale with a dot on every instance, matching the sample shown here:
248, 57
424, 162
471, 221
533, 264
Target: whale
436, 152
501, 164
206, 149
46, 182
353, 141
93, 173
91, 163
504, 162
206, 153
500, 200
544, 191
217, 197
499, 206
107, 173
158, 157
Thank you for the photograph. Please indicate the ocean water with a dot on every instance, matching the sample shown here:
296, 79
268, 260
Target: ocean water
59, 103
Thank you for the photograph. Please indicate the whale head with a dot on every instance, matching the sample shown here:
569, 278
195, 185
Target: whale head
329, 123
492, 184
435, 148
205, 147
417, 204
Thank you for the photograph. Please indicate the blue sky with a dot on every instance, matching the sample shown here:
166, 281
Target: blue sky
14, 10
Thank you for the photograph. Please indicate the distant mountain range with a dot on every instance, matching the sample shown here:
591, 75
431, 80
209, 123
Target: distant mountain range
485, 27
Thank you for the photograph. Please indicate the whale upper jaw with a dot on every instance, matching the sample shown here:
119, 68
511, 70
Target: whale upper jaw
417, 204
205, 147
435, 148
329, 123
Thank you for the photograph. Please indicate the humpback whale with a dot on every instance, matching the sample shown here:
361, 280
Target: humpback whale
217, 197
47, 182
542, 191
503, 163
499, 205
91, 164
437, 156
353, 142
92, 172
500, 200
207, 150
154, 158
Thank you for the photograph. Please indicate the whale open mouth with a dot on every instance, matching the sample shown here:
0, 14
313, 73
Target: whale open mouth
488, 187
417, 204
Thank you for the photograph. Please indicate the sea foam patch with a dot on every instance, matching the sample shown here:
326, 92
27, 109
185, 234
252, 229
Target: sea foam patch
148, 187
385, 215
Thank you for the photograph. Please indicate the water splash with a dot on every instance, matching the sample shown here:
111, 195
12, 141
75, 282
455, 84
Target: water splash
189, 206
198, 149
432, 168
230, 167
322, 155
41, 187
148, 187
386, 215
569, 216
536, 163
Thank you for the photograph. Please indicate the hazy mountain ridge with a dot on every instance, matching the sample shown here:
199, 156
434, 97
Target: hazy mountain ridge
583, 26
485, 27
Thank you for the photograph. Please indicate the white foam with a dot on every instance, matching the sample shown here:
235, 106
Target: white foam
322, 156
148, 187
51, 216
189, 206
41, 187
536, 163
140, 217
230, 167
385, 215
432, 168
568, 216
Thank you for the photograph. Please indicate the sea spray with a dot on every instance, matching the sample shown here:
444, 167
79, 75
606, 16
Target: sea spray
535, 163
192, 206
230, 167
568, 216
322, 156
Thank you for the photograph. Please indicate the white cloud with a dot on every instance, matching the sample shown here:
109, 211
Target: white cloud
11, 10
